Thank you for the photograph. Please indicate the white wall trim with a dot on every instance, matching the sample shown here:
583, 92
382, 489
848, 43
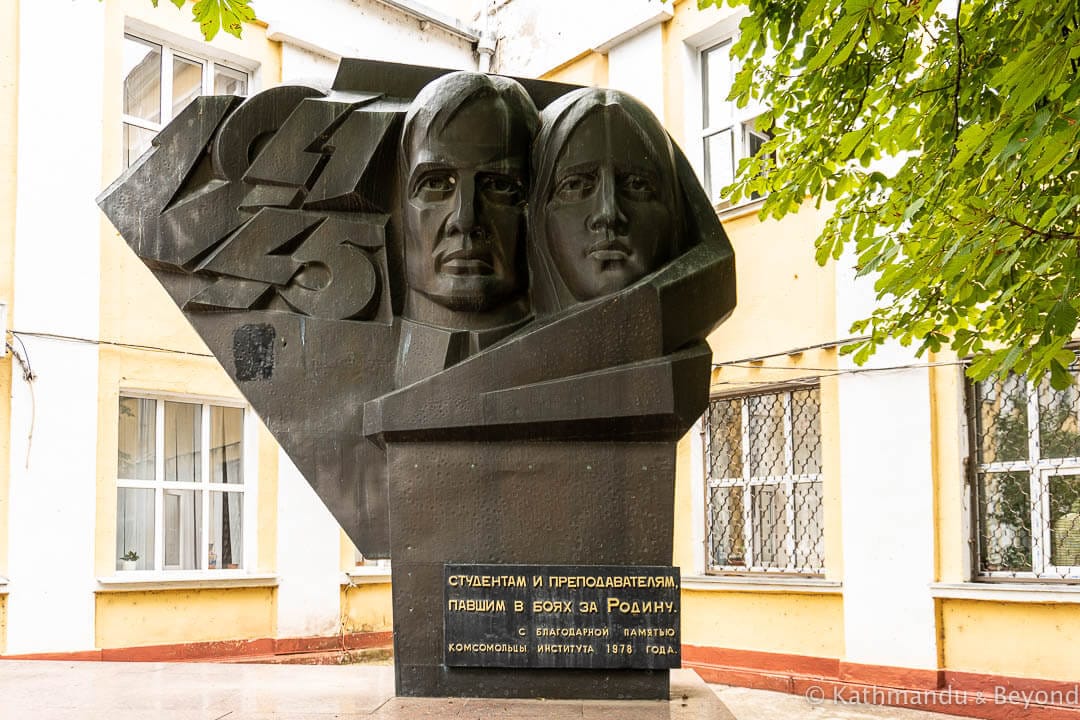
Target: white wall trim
423, 13
698, 480
274, 33
186, 581
187, 46
366, 576
792, 585
650, 17
1007, 592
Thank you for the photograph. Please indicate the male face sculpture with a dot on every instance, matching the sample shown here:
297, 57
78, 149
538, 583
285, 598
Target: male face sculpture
464, 206
608, 220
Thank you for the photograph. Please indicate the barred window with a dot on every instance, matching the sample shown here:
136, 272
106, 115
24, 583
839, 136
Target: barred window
1027, 489
764, 501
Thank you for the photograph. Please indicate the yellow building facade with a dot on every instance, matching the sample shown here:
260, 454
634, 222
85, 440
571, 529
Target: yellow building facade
832, 522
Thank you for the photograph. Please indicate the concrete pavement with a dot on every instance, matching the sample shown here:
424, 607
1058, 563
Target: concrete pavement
64, 690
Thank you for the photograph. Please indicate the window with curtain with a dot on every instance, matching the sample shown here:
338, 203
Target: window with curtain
179, 463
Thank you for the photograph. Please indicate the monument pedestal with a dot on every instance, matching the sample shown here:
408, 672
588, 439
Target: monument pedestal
525, 503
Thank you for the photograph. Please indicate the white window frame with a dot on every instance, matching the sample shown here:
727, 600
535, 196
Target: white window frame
169, 52
723, 33
747, 482
1039, 470
248, 488
740, 123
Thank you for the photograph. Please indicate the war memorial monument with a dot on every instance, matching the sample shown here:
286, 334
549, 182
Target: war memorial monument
472, 310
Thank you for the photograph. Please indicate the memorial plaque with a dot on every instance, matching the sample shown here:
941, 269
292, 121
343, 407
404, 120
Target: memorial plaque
562, 616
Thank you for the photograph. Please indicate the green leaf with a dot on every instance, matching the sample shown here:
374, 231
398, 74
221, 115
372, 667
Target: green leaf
227, 15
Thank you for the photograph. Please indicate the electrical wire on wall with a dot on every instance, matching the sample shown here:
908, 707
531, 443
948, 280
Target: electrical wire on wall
28, 377
757, 363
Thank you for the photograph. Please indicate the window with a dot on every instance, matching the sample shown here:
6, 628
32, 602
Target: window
160, 82
1027, 478
764, 493
728, 132
178, 463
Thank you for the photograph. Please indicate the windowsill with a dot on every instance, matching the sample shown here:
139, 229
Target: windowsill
741, 210
763, 583
148, 580
1007, 592
3, 585
367, 575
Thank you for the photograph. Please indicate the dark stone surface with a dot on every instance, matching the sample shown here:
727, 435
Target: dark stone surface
443, 271
564, 503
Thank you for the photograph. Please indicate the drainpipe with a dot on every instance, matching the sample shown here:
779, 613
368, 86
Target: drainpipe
485, 44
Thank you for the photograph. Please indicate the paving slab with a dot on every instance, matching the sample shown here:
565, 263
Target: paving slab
747, 704
58, 690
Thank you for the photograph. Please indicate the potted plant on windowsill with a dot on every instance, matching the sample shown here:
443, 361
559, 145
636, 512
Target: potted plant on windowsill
129, 559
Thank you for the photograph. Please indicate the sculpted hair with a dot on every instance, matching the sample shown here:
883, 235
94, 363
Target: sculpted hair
440, 101
557, 122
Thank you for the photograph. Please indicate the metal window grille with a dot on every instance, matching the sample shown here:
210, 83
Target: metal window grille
1026, 446
764, 491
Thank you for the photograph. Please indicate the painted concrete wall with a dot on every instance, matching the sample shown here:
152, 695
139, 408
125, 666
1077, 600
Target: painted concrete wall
1012, 639
366, 608
804, 624
887, 486
55, 248
9, 33
535, 36
308, 559
131, 619
365, 29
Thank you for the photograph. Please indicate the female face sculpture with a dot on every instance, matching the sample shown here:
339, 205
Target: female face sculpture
607, 189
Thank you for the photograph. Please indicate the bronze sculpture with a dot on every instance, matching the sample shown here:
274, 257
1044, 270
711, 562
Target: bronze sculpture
357, 260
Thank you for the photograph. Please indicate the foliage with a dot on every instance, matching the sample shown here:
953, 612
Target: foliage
130, 556
215, 15
947, 135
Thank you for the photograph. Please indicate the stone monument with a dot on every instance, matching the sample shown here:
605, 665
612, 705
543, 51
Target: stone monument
473, 310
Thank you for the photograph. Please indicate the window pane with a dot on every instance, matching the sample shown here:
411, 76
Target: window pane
187, 83
226, 444
136, 141
767, 441
137, 429
1002, 419
135, 526
806, 432
726, 526
142, 80
725, 440
719, 164
226, 530
183, 529
809, 527
718, 72
1059, 436
1005, 521
1065, 520
183, 439
229, 82
770, 525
